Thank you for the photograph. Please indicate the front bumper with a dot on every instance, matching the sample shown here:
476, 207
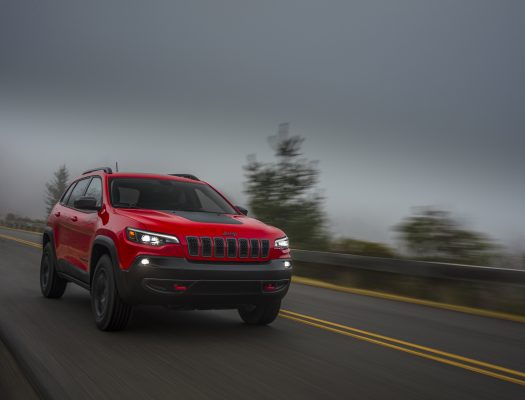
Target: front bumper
202, 285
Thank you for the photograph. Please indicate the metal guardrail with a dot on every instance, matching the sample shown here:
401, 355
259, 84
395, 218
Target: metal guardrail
30, 226
422, 269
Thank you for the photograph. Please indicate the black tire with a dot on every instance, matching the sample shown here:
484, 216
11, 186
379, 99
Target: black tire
260, 314
110, 312
51, 285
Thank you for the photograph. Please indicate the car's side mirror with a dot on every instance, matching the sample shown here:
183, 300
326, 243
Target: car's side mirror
242, 210
86, 203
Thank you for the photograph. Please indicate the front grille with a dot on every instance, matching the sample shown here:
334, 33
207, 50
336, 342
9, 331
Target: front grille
243, 248
232, 247
265, 248
206, 246
193, 245
219, 247
254, 248
229, 247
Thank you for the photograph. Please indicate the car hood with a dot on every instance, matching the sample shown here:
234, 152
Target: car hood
200, 223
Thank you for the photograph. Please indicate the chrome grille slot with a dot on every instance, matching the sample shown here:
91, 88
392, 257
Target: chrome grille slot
232, 247
219, 247
265, 248
206, 246
243, 248
193, 245
254, 248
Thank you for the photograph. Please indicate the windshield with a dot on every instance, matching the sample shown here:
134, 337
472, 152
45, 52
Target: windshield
169, 195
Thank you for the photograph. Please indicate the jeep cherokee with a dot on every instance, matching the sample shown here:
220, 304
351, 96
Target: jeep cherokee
170, 240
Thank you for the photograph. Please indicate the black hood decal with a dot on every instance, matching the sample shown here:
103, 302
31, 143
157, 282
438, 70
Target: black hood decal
210, 218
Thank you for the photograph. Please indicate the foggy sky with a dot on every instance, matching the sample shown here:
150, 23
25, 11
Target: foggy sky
404, 103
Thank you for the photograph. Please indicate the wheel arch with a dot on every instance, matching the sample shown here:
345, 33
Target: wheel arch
102, 245
47, 236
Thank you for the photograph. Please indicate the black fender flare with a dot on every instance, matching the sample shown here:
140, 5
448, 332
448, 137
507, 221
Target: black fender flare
109, 245
49, 236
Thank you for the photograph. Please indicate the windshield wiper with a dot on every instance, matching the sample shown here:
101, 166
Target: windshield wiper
124, 206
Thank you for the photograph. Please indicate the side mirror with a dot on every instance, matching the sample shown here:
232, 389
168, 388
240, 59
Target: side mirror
242, 210
86, 203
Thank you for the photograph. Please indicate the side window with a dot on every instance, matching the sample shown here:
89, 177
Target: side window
95, 190
63, 200
78, 191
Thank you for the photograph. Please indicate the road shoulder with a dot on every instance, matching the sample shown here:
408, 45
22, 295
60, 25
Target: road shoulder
14, 385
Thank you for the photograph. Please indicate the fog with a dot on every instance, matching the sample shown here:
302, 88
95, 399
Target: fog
403, 103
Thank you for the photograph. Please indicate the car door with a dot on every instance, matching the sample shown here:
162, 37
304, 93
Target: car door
60, 212
87, 224
72, 235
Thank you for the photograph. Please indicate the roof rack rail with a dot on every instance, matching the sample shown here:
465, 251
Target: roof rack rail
107, 170
187, 176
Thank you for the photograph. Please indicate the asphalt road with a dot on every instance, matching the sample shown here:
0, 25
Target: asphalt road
14, 385
168, 354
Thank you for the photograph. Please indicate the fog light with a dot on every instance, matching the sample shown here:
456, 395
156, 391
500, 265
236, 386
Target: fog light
144, 261
287, 264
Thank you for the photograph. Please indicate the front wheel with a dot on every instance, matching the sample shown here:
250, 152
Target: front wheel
260, 314
51, 285
111, 313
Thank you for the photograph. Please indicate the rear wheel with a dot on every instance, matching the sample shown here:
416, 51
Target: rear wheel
111, 313
260, 314
51, 285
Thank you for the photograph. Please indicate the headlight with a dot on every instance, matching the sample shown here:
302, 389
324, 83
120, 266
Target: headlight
282, 243
149, 238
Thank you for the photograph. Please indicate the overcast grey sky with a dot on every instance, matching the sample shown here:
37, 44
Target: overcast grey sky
404, 103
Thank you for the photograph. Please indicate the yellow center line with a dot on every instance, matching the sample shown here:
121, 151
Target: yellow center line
20, 230
387, 342
26, 242
409, 344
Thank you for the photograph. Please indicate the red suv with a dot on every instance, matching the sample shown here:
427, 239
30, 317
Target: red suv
162, 239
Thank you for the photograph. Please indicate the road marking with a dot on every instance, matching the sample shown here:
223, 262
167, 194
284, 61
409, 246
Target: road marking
409, 344
412, 300
20, 230
469, 364
26, 242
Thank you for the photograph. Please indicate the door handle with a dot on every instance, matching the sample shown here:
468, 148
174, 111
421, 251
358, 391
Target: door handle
74, 218
57, 214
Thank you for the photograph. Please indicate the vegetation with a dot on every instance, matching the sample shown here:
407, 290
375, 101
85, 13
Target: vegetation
362, 248
15, 221
434, 235
56, 187
284, 193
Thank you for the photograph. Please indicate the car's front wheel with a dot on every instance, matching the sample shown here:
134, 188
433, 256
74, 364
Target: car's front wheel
111, 313
260, 314
51, 285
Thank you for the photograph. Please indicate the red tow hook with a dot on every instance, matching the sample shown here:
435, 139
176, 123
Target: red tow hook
179, 288
269, 287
